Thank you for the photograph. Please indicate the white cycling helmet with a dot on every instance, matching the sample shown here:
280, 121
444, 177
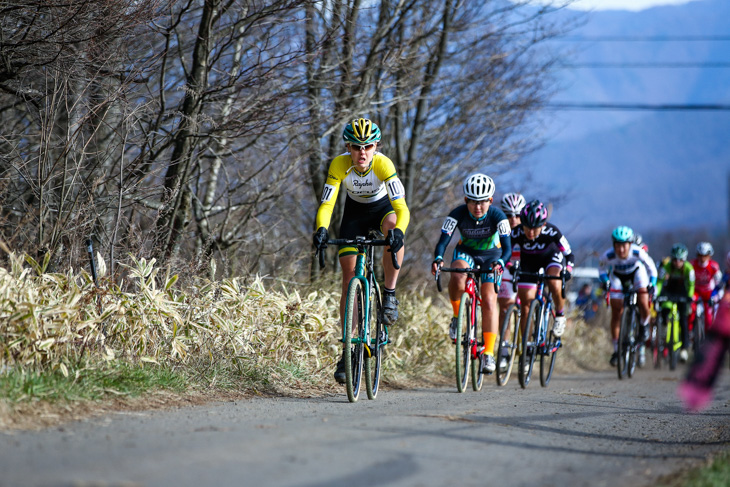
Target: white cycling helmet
512, 203
478, 187
705, 248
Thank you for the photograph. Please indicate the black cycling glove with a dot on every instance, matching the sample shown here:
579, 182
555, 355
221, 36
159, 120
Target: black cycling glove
320, 238
395, 239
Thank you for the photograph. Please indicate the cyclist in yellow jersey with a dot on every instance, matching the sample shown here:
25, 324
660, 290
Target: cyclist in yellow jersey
375, 200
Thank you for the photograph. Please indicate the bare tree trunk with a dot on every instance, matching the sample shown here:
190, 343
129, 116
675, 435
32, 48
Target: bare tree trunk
177, 196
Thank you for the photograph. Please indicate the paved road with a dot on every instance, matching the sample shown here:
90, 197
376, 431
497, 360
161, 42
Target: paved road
585, 429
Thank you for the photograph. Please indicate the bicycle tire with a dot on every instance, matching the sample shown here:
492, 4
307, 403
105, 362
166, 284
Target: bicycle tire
633, 341
353, 350
508, 339
529, 344
462, 348
624, 344
673, 327
375, 361
698, 331
477, 378
547, 358
657, 341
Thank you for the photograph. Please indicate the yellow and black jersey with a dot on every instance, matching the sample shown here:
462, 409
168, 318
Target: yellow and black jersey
378, 182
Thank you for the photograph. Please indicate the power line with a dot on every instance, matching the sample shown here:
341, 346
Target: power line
667, 38
637, 106
672, 65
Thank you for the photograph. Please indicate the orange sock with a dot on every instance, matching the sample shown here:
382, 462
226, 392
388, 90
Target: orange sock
489, 340
455, 305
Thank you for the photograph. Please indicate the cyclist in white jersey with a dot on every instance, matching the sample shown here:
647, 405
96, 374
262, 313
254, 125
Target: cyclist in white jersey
623, 263
512, 204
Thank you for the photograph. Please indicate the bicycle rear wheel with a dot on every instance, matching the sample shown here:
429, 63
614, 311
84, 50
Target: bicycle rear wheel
624, 343
374, 360
550, 350
354, 334
508, 339
529, 344
462, 348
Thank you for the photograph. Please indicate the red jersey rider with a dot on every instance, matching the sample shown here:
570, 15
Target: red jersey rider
708, 277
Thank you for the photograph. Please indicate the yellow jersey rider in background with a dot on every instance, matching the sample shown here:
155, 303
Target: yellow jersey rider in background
375, 200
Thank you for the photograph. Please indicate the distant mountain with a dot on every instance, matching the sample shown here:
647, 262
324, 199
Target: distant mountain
651, 170
704, 18
663, 171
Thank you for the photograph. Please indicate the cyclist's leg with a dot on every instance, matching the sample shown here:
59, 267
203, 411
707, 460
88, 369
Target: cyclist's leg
506, 296
490, 310
641, 281
558, 300
391, 273
457, 284
457, 280
709, 313
347, 263
490, 326
682, 309
526, 293
616, 300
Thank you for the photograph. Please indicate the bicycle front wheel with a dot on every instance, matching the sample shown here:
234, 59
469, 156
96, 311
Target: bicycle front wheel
462, 348
549, 354
477, 378
673, 342
698, 331
529, 344
633, 341
658, 341
624, 343
508, 343
378, 337
353, 338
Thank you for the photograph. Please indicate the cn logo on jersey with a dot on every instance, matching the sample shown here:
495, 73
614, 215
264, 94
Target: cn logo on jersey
533, 246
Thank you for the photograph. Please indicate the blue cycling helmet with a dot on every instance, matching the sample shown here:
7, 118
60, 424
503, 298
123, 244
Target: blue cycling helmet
622, 234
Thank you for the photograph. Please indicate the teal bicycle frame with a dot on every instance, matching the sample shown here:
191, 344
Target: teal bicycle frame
363, 349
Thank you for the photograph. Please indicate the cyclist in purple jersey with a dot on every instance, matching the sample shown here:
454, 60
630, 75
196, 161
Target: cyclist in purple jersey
484, 241
542, 246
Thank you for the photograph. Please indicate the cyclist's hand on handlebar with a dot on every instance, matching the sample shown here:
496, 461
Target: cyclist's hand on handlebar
436, 265
568, 273
498, 266
319, 239
395, 239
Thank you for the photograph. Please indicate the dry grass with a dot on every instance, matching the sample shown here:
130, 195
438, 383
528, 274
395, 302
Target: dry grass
59, 334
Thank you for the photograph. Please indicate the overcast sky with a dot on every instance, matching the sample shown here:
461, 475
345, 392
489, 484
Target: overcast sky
623, 4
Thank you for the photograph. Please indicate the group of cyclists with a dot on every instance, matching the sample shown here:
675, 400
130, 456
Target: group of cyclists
494, 238
683, 283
